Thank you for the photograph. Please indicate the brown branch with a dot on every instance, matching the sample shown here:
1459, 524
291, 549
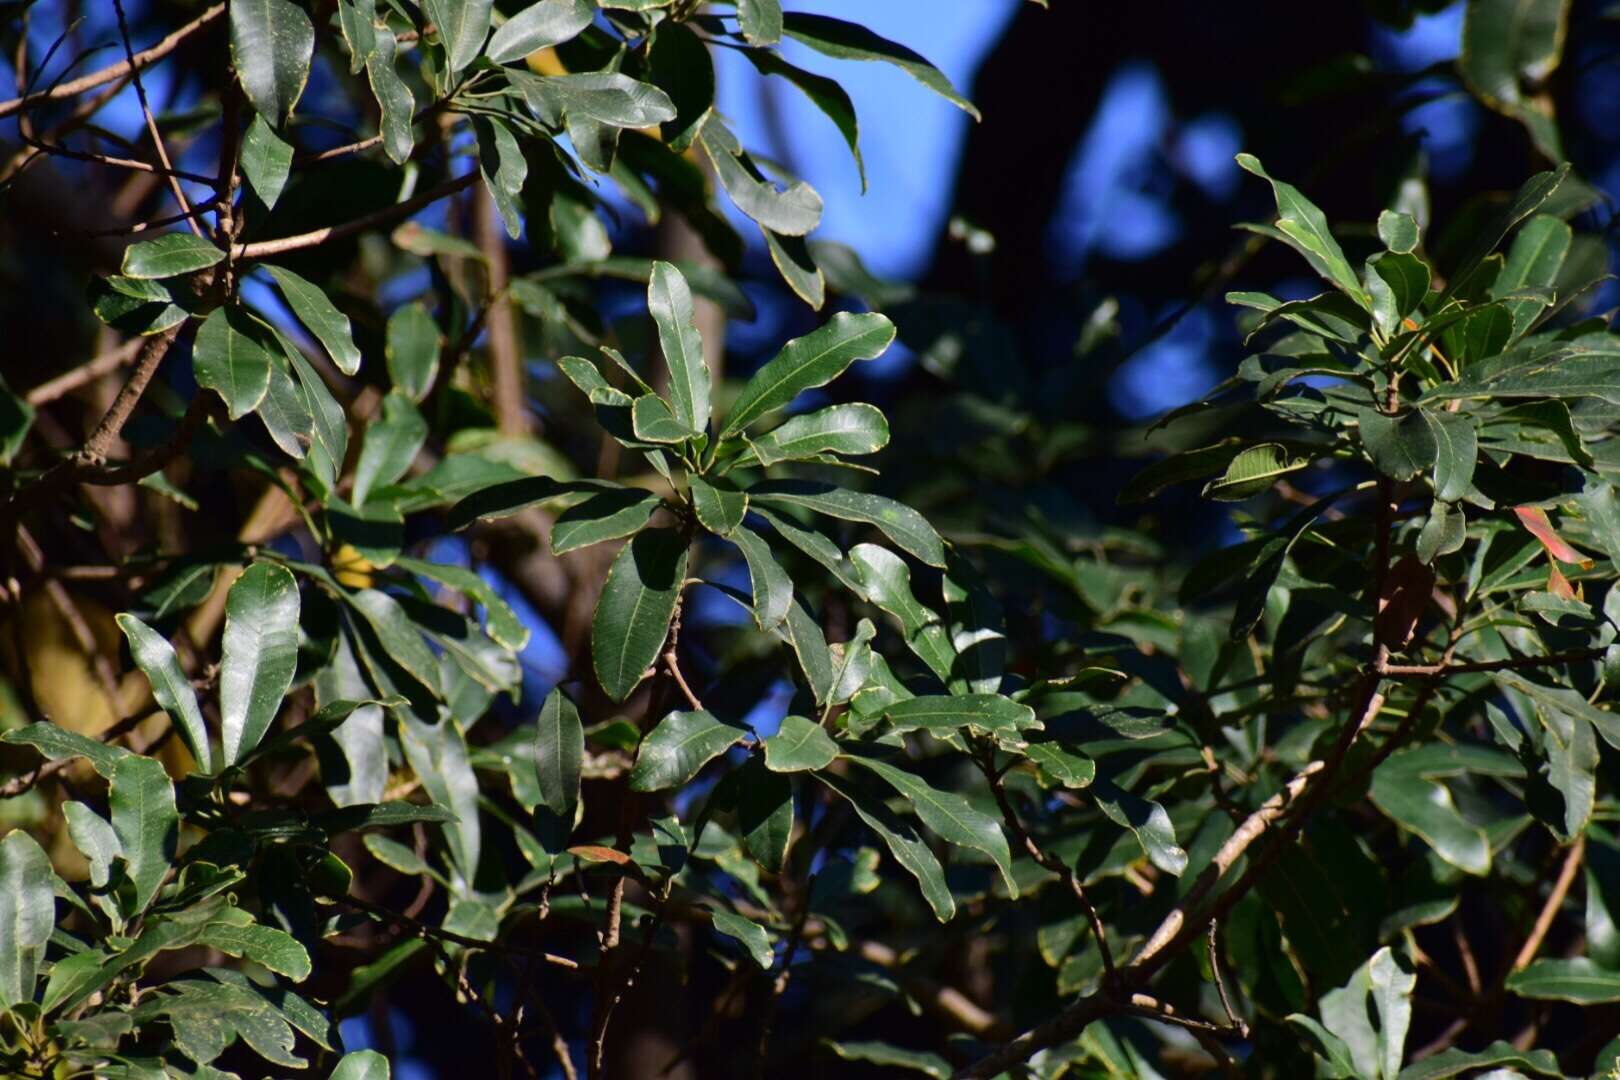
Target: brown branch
151, 123
423, 930
505, 352
132, 164
1443, 670
68, 381
385, 216
1555, 900
142, 59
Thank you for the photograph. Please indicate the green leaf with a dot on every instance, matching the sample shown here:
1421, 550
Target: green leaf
894, 1057
607, 97
670, 301
794, 211
887, 583
329, 325
1456, 442
285, 412
361, 1065
772, 588
1303, 227
1506, 43
1070, 770
272, 42
462, 25
94, 838
633, 614
1396, 284
27, 915
824, 93
848, 41
903, 842
1526, 201
680, 65
1454, 1062
504, 169
900, 523
607, 515
230, 358
1533, 262
1147, 821
399, 637
559, 750
170, 688
541, 25
838, 429
1578, 980
394, 98
949, 815
652, 421
145, 822
389, 446
998, 717
1444, 532
1398, 230
266, 160
56, 743
357, 19
799, 745
275, 949
413, 350
437, 753
764, 813
1376, 1052
1403, 791
797, 265
808, 362
1564, 699
1400, 447
1253, 471
260, 655
170, 255
747, 933
511, 496
680, 745
760, 21
719, 505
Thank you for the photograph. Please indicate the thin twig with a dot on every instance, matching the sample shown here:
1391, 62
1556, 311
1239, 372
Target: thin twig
68, 381
385, 216
151, 123
423, 930
1555, 900
1443, 670
132, 164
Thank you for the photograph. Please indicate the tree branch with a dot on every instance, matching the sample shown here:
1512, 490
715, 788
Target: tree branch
151, 124
385, 216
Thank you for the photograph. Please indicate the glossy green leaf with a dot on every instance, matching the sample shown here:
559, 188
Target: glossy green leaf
653, 422
266, 160
1509, 50
272, 42
680, 745
357, 19
838, 429
56, 742
900, 523
541, 25
679, 64
394, 98
329, 325
1000, 718
27, 915
266, 945
171, 689
1577, 980
1444, 532
793, 211
612, 99
1254, 471
1400, 447
1530, 197
1534, 261
1396, 284
824, 93
1379, 987
260, 655
170, 255
462, 26
285, 411
607, 515
1070, 770
559, 750
413, 350
948, 815
1147, 821
145, 822
799, 745
903, 842
93, 835
772, 588
511, 496
230, 357
1456, 443
808, 362
670, 301
504, 170
1398, 230
797, 264
719, 505
847, 41
389, 445
764, 813
1455, 1062
1304, 228
887, 583
1421, 805
437, 753
760, 21
747, 933
634, 610
398, 636
361, 1065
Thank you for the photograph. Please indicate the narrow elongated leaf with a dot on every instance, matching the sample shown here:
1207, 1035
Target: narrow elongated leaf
501, 622
56, 742
357, 19
764, 813
170, 255
462, 25
999, 717
719, 505
329, 325
1147, 820
804, 363
260, 655
285, 410
607, 515
266, 160
1530, 197
504, 170
670, 301
679, 64
632, 616
1577, 980
1533, 262
1070, 770
887, 582
389, 445
799, 745
27, 915
230, 358
394, 99
559, 749
438, 755
894, 1057
275, 949
747, 933
1424, 806
824, 93
398, 636
272, 42
855, 428
413, 350
170, 688
949, 815
681, 744
1456, 442
1305, 229
541, 25
794, 211
903, 842
145, 822
849, 41
772, 588
900, 523
1455, 1062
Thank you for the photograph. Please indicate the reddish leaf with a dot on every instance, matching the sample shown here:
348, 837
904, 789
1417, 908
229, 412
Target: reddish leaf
1535, 519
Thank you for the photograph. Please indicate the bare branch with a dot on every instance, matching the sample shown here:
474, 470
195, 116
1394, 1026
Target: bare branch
151, 124
385, 216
